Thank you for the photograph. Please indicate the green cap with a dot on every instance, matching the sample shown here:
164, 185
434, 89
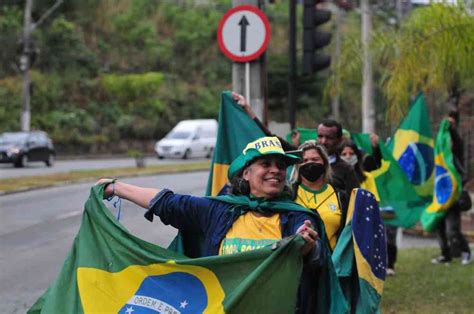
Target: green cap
264, 146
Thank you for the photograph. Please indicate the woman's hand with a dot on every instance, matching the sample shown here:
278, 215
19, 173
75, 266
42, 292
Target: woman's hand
109, 188
241, 100
309, 235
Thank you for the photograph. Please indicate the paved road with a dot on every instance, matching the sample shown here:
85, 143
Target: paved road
37, 229
39, 168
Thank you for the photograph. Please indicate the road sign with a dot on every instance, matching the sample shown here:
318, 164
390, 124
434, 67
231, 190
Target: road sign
243, 33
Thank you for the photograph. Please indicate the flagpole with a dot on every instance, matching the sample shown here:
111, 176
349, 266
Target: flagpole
247, 81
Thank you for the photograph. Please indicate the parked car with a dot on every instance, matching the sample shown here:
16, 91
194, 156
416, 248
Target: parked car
20, 148
189, 138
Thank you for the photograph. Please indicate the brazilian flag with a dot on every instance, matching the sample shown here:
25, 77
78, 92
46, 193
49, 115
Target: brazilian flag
360, 254
412, 147
397, 195
236, 129
108, 270
448, 185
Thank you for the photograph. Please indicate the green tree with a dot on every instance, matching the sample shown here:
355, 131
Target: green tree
10, 30
432, 51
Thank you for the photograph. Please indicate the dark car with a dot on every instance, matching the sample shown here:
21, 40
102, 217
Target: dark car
20, 148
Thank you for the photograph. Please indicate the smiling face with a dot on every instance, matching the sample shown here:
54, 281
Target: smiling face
266, 176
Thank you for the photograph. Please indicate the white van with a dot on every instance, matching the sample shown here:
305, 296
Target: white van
189, 138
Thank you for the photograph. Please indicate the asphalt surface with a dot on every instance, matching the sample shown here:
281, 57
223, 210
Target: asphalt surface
37, 229
39, 168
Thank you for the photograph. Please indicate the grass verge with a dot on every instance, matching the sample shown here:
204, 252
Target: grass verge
10, 185
421, 287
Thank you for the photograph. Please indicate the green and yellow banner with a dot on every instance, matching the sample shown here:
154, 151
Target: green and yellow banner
396, 193
236, 129
448, 185
360, 256
412, 147
108, 270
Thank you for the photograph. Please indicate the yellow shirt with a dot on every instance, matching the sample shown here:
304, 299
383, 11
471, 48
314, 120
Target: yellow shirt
325, 202
250, 232
369, 185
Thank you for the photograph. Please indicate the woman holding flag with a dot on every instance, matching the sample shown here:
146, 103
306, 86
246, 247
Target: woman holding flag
258, 212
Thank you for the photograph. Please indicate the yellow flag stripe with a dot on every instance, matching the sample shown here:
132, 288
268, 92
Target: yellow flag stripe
364, 270
219, 177
435, 206
403, 137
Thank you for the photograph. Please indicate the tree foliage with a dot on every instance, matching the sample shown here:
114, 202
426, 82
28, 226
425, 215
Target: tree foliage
112, 73
432, 50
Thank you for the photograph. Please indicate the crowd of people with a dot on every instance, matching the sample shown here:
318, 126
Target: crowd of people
272, 206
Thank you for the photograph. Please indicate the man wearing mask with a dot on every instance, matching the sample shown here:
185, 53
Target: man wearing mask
343, 175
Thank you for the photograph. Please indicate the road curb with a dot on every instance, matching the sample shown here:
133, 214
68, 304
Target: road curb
83, 180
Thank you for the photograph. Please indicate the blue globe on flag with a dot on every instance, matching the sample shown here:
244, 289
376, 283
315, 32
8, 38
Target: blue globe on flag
443, 185
417, 161
176, 292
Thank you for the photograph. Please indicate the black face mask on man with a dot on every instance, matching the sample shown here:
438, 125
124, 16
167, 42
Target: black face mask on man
312, 171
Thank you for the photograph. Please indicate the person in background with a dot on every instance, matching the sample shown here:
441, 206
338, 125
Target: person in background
311, 189
450, 238
351, 154
330, 136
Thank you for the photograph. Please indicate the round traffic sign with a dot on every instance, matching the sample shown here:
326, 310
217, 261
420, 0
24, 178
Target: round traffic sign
243, 33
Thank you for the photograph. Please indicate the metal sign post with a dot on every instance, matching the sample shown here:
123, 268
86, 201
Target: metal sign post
243, 36
247, 81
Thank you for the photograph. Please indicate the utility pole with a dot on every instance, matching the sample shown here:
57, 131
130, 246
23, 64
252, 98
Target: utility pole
335, 104
25, 66
26, 57
292, 73
256, 87
368, 112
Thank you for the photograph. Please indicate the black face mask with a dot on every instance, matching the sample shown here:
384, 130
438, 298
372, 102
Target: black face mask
312, 171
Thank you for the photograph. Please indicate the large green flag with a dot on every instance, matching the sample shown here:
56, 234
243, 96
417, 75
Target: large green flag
108, 270
412, 147
360, 254
236, 129
448, 185
395, 191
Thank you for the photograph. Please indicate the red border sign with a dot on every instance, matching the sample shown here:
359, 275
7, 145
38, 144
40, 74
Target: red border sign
220, 38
